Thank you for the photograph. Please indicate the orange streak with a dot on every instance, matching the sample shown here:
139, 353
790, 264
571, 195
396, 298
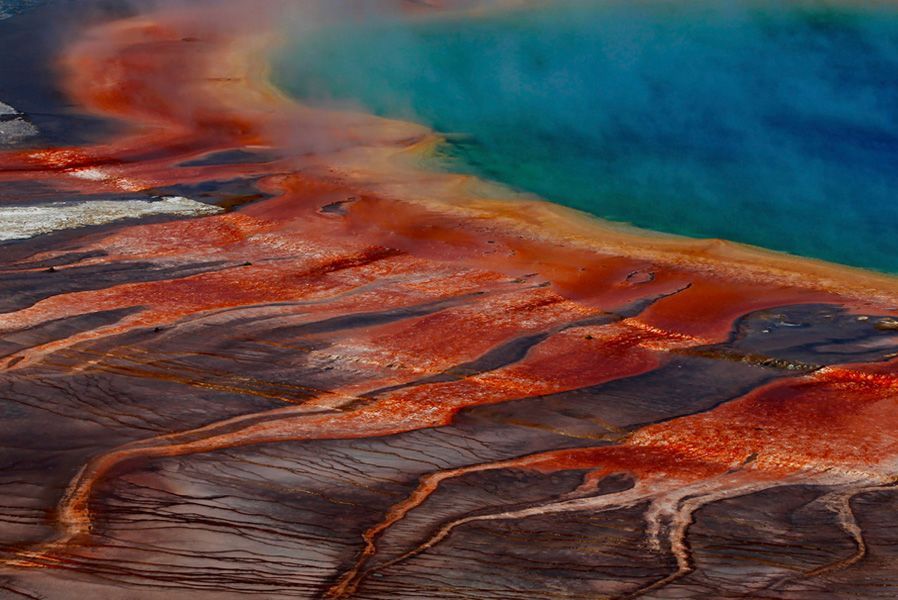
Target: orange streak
408, 238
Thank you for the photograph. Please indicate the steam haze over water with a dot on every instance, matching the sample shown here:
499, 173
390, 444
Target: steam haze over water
770, 123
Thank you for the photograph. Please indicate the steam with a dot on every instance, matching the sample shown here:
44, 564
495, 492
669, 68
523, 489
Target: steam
749, 120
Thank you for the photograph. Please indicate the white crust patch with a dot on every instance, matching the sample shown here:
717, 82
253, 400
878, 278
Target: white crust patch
23, 222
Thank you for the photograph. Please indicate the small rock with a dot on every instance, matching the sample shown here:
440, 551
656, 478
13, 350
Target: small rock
887, 324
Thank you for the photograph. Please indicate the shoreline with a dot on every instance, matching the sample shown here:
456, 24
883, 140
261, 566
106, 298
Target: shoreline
293, 378
547, 221
377, 156
641, 240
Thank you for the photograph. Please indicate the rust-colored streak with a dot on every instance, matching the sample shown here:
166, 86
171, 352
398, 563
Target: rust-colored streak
768, 438
423, 296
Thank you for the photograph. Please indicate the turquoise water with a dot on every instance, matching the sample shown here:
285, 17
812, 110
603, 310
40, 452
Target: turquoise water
771, 123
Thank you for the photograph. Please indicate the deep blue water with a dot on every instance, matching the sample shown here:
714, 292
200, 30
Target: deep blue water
771, 123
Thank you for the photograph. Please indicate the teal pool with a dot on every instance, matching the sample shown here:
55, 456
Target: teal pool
771, 123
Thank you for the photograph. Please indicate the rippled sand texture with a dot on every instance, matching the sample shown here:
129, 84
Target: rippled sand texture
366, 380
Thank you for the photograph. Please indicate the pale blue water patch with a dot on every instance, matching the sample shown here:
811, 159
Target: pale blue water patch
771, 123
